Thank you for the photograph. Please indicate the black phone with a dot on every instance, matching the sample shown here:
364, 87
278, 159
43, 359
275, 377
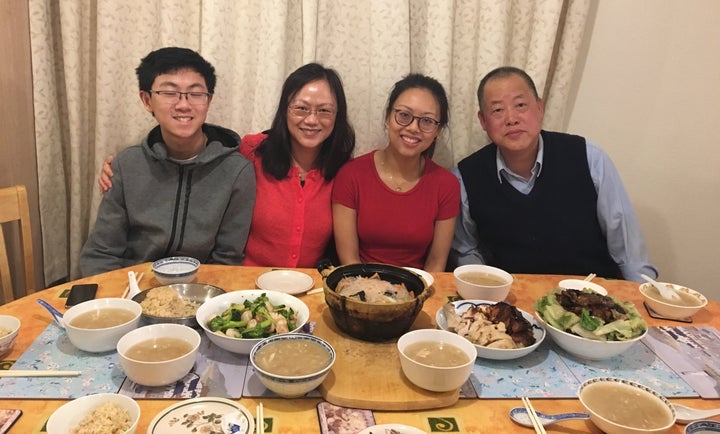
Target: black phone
80, 293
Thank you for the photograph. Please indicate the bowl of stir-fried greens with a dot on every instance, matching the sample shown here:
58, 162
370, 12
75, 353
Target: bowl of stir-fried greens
237, 320
590, 325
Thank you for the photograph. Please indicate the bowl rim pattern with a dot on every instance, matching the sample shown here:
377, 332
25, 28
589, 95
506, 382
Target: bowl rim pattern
294, 378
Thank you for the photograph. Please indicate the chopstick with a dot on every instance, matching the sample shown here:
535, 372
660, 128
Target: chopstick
127, 288
590, 277
539, 428
315, 291
33, 373
260, 425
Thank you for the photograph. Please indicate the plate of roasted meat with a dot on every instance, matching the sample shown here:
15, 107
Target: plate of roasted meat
499, 330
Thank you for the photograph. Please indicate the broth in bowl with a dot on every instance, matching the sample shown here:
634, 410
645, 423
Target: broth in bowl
481, 278
281, 357
436, 353
159, 349
102, 318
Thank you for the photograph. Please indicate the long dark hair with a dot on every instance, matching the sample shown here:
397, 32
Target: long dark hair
419, 81
335, 151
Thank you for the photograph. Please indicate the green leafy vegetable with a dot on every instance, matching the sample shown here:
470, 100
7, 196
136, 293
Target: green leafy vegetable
254, 319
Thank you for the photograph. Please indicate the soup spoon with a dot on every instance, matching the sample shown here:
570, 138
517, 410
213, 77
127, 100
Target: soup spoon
686, 415
664, 290
520, 416
57, 316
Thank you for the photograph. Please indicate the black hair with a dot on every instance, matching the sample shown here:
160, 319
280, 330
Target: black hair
335, 151
502, 72
171, 59
419, 81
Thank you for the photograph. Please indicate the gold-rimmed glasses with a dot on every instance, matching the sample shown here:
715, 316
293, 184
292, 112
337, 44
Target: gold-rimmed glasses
174, 96
302, 111
426, 124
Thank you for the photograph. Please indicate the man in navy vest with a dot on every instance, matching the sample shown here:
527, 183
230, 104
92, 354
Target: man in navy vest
536, 201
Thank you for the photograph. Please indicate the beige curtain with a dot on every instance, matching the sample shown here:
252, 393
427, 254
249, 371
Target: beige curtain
86, 99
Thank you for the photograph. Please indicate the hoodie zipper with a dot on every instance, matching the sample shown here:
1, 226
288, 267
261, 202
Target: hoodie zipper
187, 182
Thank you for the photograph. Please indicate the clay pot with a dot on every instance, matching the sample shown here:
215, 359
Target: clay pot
374, 321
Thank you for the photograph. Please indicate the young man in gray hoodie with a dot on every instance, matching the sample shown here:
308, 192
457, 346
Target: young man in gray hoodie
185, 190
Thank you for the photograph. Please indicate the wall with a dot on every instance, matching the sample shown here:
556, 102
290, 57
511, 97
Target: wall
17, 134
648, 93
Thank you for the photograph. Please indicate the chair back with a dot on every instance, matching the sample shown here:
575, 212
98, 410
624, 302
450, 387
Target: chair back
14, 207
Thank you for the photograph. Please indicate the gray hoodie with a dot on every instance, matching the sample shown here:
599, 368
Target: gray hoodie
158, 207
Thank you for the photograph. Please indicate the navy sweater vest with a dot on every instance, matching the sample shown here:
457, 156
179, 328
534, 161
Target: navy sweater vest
552, 230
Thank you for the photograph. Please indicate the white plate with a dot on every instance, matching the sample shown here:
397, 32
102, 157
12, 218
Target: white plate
427, 277
582, 284
387, 427
185, 417
287, 281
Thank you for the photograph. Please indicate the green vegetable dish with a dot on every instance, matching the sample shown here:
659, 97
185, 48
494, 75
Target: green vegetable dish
591, 315
254, 319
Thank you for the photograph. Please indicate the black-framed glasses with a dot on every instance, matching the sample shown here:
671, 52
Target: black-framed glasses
426, 124
174, 96
302, 111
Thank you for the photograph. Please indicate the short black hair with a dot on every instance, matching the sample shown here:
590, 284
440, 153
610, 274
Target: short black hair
419, 81
171, 59
502, 72
335, 151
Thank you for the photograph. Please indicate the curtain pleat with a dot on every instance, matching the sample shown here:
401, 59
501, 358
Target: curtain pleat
85, 52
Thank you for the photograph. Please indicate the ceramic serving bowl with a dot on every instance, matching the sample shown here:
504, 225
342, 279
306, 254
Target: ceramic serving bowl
149, 373
175, 269
292, 386
198, 293
494, 286
11, 325
436, 378
217, 305
374, 321
494, 353
689, 304
99, 340
585, 348
69, 415
620, 406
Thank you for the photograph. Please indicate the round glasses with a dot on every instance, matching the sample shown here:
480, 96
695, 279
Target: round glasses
426, 124
302, 111
174, 96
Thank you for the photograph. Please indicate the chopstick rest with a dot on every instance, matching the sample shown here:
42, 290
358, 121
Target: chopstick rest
39, 373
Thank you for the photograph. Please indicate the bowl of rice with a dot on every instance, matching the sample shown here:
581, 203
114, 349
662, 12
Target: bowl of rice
9, 328
99, 413
177, 303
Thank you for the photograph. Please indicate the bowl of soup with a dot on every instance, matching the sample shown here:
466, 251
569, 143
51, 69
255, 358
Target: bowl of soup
9, 328
98, 413
619, 406
689, 304
175, 269
158, 354
293, 364
436, 360
97, 325
482, 282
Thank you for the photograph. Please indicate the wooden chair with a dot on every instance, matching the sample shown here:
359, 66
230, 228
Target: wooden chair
14, 207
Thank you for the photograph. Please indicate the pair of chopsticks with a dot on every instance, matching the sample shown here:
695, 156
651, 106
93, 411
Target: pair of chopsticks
39, 373
590, 277
539, 428
260, 424
127, 288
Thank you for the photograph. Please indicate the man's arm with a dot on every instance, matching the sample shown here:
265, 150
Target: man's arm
617, 218
464, 248
233, 232
104, 248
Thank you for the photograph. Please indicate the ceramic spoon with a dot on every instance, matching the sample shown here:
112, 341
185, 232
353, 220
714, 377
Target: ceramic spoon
57, 316
520, 415
664, 290
686, 415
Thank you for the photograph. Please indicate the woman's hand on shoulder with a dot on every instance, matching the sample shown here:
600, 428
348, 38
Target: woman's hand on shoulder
106, 173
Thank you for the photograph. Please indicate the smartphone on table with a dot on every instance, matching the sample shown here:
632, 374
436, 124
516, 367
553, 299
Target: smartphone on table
80, 293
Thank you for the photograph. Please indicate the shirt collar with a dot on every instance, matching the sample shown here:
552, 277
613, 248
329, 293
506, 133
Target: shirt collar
502, 167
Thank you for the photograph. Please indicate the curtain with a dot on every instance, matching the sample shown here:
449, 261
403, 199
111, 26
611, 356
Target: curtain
84, 54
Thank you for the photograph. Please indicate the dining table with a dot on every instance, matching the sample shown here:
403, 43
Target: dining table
300, 415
